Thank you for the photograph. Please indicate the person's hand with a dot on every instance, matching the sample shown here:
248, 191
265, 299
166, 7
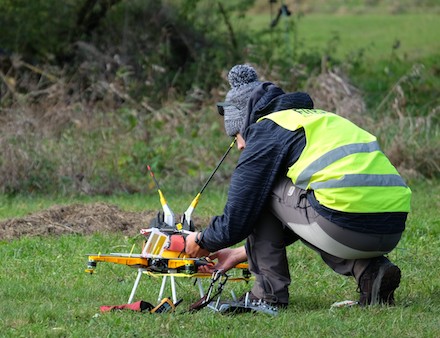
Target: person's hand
192, 248
226, 259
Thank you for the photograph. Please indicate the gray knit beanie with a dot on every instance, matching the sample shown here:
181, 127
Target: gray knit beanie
243, 80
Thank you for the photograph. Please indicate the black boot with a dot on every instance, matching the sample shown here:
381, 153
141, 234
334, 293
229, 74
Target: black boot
378, 282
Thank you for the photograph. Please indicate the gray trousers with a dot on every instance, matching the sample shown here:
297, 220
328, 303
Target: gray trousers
289, 217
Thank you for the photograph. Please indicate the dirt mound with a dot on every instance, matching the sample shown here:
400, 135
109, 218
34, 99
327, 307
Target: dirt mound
81, 219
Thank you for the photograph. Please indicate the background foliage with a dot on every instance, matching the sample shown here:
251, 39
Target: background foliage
92, 91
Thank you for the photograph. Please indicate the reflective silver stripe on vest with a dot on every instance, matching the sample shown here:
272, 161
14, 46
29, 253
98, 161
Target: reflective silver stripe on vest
331, 157
362, 180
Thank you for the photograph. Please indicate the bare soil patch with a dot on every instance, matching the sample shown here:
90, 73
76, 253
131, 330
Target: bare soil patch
83, 219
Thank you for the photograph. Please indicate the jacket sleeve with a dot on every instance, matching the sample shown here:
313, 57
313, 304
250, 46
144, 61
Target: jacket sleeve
269, 150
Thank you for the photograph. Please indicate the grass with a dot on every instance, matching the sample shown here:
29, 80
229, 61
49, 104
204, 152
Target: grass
374, 33
44, 291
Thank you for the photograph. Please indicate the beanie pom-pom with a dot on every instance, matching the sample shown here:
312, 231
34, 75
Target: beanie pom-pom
242, 74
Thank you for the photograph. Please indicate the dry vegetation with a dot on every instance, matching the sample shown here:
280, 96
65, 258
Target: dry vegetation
80, 219
58, 134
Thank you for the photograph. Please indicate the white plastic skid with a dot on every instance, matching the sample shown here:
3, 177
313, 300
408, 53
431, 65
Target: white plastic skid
162, 287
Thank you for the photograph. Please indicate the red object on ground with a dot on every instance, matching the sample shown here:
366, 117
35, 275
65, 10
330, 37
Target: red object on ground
137, 306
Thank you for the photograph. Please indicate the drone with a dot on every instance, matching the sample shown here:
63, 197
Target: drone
163, 256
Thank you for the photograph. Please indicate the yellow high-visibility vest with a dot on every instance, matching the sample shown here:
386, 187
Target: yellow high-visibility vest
343, 164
